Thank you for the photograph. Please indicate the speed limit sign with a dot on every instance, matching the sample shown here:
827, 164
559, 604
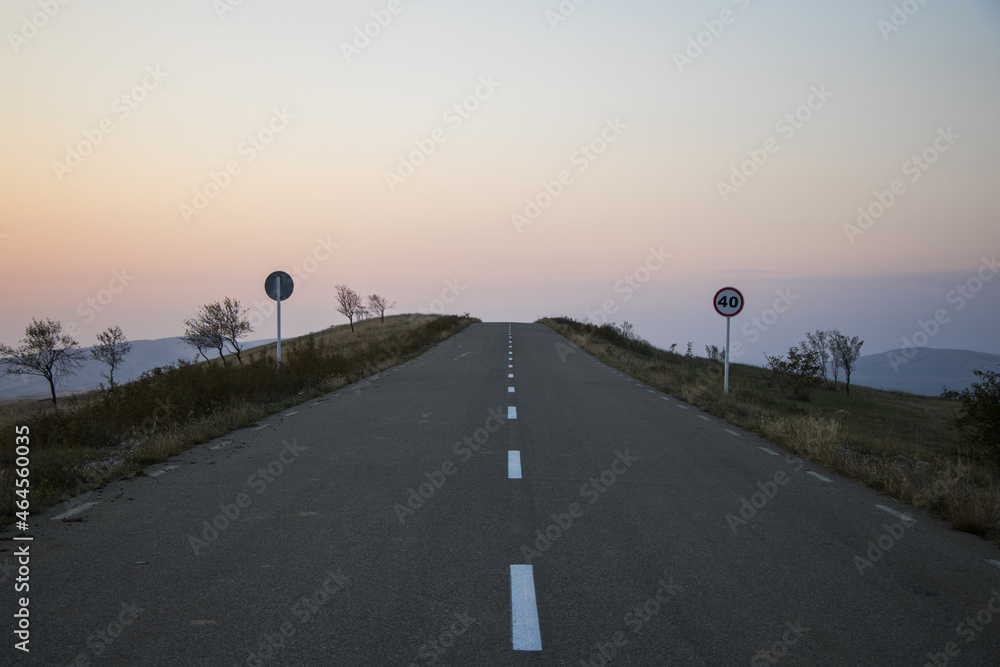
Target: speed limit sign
728, 301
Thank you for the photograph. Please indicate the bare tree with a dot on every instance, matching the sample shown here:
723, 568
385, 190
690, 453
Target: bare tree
215, 325
204, 332
232, 322
111, 348
714, 353
819, 342
348, 303
44, 351
379, 304
846, 352
196, 339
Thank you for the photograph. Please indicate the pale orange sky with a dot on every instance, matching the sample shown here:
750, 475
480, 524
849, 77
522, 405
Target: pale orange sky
196, 86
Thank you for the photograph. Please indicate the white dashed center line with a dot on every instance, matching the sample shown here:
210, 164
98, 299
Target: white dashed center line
73, 512
818, 476
513, 464
898, 515
731, 432
767, 451
511, 412
510, 390
525, 633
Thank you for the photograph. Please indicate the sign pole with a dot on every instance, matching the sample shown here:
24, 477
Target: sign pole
726, 383
274, 291
728, 302
277, 286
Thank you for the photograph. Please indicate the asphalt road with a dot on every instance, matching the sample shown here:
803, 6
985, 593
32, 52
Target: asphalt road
385, 524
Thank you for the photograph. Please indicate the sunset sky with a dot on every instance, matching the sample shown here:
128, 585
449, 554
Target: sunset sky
158, 156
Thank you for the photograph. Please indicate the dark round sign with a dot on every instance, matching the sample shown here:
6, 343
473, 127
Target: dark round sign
271, 285
728, 301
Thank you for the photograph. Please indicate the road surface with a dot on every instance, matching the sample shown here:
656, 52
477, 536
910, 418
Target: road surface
504, 499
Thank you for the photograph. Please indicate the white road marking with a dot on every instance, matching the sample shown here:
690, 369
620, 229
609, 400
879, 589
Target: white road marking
525, 633
510, 365
995, 563
898, 515
221, 444
682, 407
261, 426
651, 391
73, 512
703, 417
511, 412
161, 471
510, 390
819, 476
665, 398
731, 432
293, 412
513, 464
510, 375
768, 451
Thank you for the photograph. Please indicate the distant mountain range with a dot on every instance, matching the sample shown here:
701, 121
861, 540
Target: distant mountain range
144, 355
925, 372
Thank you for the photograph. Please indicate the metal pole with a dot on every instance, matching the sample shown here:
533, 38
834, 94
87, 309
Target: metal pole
727, 356
277, 279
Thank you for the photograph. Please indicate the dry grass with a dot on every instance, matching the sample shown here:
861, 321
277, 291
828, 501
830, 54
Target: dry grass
901, 444
96, 437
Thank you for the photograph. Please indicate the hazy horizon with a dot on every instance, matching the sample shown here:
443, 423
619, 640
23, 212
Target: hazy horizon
508, 161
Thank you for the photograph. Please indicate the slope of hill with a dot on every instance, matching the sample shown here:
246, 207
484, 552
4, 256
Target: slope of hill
145, 355
925, 372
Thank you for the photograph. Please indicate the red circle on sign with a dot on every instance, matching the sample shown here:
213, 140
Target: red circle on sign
728, 310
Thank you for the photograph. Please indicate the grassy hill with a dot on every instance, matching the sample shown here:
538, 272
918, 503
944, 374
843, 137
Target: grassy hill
903, 445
